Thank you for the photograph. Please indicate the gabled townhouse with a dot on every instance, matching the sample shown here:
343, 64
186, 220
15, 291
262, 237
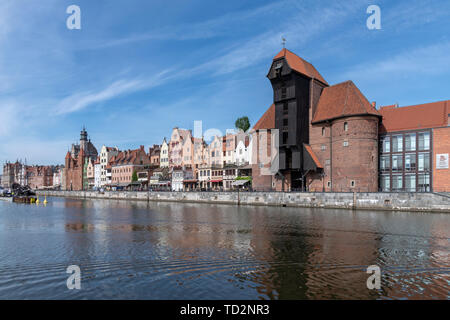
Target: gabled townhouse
177, 139
164, 154
97, 173
229, 152
106, 154
155, 155
215, 152
243, 154
90, 174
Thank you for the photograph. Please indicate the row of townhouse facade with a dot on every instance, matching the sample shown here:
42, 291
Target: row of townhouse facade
183, 162
203, 166
33, 176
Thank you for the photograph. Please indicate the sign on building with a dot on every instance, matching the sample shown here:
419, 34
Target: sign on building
442, 161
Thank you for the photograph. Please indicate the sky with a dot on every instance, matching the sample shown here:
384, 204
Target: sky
136, 69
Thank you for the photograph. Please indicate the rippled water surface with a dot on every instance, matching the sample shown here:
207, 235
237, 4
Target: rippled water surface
139, 250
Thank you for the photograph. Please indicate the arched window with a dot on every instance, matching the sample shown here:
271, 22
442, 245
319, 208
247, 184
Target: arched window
345, 126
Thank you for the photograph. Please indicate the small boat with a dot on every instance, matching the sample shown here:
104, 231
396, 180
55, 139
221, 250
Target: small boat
8, 199
24, 199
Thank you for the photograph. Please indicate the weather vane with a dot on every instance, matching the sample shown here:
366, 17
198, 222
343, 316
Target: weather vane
283, 41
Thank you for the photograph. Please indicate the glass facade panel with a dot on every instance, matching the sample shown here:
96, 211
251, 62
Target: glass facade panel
410, 162
397, 183
385, 163
410, 183
410, 142
424, 161
424, 141
385, 183
424, 182
386, 144
405, 161
397, 163
397, 143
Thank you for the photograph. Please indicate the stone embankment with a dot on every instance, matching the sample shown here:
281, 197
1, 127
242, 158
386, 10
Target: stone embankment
424, 202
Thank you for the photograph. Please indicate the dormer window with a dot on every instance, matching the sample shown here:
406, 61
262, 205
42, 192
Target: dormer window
278, 67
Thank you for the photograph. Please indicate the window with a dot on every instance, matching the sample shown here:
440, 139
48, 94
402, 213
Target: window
410, 183
424, 161
424, 141
386, 144
329, 184
410, 162
345, 126
424, 182
397, 143
385, 163
323, 131
285, 122
397, 163
323, 147
352, 183
410, 142
385, 183
327, 162
285, 137
283, 93
345, 143
397, 183
285, 108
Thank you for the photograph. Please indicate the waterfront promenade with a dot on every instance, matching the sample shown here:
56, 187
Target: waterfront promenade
422, 202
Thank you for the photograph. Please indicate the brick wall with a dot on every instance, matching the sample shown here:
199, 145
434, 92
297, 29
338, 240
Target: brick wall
358, 161
441, 145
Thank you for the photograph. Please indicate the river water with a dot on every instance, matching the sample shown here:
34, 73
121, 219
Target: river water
139, 250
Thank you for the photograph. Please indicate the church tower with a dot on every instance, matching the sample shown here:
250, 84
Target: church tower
83, 139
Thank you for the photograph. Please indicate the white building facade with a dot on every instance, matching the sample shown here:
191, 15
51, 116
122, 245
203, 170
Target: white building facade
98, 175
105, 155
164, 155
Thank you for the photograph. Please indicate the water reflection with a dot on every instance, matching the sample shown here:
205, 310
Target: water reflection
140, 250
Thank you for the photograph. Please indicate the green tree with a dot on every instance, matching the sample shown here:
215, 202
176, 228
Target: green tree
242, 123
134, 177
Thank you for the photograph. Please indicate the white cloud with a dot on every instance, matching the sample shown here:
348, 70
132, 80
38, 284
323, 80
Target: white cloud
429, 60
81, 100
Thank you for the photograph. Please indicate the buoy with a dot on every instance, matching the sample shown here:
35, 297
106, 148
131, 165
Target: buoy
45, 200
37, 200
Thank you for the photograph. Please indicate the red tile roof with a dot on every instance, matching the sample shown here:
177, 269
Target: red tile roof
267, 121
342, 100
298, 64
313, 156
428, 115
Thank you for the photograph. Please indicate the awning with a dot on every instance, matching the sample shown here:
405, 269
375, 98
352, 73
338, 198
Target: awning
219, 180
160, 183
239, 182
190, 181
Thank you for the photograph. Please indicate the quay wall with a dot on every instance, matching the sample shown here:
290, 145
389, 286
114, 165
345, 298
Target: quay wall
424, 202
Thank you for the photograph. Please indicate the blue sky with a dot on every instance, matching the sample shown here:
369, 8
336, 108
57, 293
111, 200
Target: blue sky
136, 69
